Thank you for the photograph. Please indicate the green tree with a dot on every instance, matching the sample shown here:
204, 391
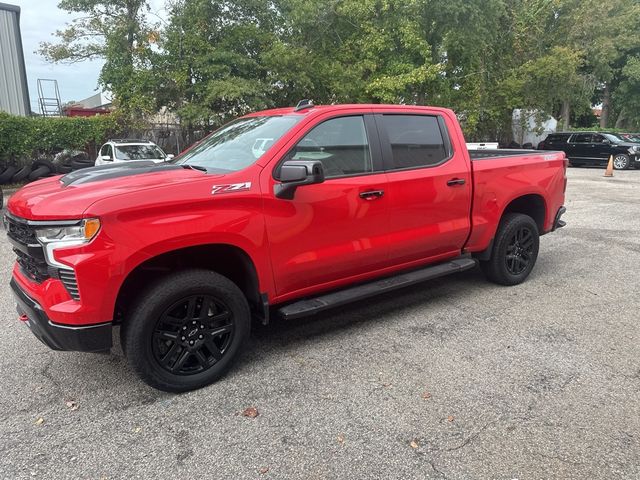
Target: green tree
118, 32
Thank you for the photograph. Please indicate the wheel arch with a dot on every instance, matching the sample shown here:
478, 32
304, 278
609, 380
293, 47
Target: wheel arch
531, 204
228, 260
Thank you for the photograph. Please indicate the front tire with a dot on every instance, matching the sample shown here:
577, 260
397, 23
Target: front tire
186, 330
515, 250
621, 161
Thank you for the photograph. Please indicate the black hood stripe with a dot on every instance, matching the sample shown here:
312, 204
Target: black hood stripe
107, 172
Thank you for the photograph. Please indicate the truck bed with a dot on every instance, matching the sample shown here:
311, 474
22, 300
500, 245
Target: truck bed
503, 152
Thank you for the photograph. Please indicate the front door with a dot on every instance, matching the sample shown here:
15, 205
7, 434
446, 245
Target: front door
601, 146
335, 230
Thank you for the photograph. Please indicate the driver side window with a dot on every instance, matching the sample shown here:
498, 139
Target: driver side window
340, 144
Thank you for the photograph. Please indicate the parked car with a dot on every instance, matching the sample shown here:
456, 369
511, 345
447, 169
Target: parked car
594, 148
283, 212
125, 150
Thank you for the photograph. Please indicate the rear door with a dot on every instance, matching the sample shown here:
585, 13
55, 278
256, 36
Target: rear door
429, 187
581, 146
335, 230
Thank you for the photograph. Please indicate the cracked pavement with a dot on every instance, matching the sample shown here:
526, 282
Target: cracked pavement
540, 380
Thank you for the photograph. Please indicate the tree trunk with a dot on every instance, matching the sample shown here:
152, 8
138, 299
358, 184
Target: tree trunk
566, 115
620, 122
606, 106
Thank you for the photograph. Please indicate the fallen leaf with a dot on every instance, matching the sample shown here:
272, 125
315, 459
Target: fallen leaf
426, 395
137, 429
263, 470
450, 418
341, 438
71, 405
251, 412
414, 444
39, 421
386, 385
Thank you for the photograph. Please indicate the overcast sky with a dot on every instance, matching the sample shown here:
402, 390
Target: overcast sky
39, 19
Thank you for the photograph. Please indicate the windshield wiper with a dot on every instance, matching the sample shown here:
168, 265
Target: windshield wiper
195, 167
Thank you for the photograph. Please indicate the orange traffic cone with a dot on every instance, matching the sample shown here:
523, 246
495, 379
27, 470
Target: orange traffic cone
609, 172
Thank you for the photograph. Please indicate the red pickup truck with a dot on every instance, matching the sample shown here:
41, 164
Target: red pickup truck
289, 211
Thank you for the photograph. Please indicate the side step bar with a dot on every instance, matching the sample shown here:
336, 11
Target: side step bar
311, 306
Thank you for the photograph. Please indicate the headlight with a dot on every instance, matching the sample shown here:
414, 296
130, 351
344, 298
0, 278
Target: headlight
634, 149
52, 238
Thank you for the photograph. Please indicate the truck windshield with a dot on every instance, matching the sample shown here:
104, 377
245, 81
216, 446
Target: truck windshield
238, 144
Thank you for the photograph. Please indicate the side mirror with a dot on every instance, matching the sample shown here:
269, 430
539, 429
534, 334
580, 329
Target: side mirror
106, 158
171, 156
296, 173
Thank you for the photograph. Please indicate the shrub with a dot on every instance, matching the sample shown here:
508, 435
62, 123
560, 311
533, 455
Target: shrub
23, 138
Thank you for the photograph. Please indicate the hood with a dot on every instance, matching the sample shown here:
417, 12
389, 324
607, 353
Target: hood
69, 196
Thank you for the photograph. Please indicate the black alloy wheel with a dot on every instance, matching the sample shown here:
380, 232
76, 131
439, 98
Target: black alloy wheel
185, 330
515, 250
519, 251
193, 334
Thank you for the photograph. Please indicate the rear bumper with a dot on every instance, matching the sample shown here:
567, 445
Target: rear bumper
558, 223
89, 338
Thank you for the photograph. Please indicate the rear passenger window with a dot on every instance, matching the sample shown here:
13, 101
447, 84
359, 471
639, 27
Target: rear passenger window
557, 138
582, 138
340, 144
416, 140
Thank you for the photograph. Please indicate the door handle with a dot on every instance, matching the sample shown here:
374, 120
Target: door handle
371, 195
456, 181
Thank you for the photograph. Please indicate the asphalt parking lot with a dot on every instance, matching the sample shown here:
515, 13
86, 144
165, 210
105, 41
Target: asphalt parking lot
455, 378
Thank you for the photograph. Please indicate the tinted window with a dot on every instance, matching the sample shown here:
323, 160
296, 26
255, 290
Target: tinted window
582, 138
557, 138
340, 144
597, 139
416, 140
105, 150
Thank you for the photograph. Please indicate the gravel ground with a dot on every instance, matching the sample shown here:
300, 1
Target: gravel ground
456, 379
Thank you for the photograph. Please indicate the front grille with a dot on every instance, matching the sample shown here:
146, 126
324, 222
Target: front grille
30, 254
21, 232
68, 279
34, 268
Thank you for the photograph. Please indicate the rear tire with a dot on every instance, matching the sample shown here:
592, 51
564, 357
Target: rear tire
186, 330
515, 250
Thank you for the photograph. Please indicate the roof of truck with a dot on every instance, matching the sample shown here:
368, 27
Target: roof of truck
324, 108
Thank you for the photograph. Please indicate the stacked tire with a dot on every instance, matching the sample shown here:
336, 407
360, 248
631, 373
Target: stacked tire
29, 171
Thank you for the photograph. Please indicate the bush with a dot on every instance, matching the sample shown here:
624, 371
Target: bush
28, 137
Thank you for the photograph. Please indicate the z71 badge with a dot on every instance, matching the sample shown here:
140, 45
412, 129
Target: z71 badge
229, 188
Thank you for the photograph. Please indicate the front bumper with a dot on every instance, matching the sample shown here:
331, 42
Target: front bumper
89, 338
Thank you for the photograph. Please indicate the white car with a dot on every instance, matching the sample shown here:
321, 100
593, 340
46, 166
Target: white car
117, 151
